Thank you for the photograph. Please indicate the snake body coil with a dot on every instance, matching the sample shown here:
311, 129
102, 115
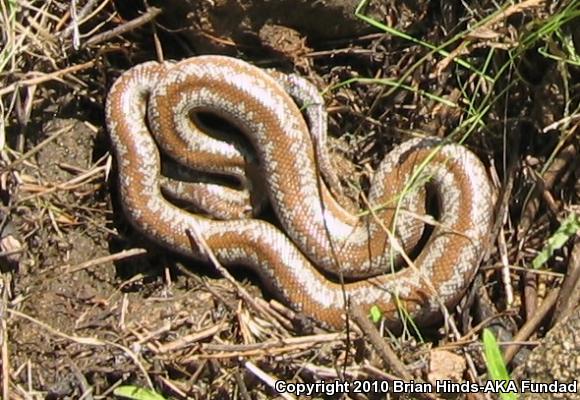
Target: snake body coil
322, 233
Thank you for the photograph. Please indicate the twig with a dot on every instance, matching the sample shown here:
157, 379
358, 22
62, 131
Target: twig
73, 26
46, 77
523, 269
191, 338
532, 203
72, 184
107, 393
410, 264
101, 260
563, 121
4, 340
197, 239
87, 341
173, 387
264, 377
310, 340
390, 359
390, 377
87, 389
149, 15
142, 339
480, 32
570, 291
531, 325
505, 270
241, 385
269, 348
39, 146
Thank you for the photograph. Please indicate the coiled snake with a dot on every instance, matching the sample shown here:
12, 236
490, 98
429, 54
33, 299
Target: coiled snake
321, 234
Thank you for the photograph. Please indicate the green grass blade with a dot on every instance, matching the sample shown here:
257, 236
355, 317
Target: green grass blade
496, 367
136, 393
569, 227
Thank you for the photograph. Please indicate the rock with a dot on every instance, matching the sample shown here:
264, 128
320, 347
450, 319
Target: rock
556, 358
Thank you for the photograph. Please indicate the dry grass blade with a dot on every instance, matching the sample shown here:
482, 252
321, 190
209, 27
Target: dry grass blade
198, 240
46, 77
88, 341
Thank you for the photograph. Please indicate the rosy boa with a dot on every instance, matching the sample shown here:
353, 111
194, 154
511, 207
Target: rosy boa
322, 234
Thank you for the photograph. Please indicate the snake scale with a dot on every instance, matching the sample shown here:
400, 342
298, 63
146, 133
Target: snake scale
151, 106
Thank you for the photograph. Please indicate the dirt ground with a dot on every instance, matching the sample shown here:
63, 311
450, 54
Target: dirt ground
89, 305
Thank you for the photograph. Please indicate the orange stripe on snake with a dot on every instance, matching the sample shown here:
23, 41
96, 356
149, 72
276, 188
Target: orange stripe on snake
321, 234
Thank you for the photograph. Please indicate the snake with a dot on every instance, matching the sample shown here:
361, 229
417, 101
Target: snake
149, 110
233, 160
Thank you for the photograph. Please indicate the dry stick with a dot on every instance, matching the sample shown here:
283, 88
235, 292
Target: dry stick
106, 394
88, 7
87, 390
75, 25
22, 102
149, 15
83, 340
173, 387
46, 77
444, 310
71, 184
545, 183
279, 322
211, 290
4, 339
474, 331
187, 340
274, 344
562, 159
382, 347
505, 271
241, 385
397, 247
501, 218
197, 239
283, 310
101, 260
264, 377
84, 177
156, 41
390, 359
24, 105
480, 31
531, 325
370, 369
524, 269
220, 355
570, 290
150, 335
39, 147
566, 120
270, 349
331, 372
